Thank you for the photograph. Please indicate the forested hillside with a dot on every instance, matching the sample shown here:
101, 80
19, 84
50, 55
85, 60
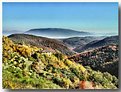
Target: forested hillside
30, 67
104, 58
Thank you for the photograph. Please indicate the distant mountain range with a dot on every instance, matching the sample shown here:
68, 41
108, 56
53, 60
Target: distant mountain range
43, 42
57, 33
98, 43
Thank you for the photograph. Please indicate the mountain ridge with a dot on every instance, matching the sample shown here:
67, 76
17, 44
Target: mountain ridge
57, 32
80, 41
46, 43
99, 43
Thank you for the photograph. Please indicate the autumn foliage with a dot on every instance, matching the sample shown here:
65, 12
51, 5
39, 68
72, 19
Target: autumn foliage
29, 67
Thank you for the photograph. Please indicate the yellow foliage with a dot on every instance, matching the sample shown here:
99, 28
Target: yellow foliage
67, 82
68, 62
82, 68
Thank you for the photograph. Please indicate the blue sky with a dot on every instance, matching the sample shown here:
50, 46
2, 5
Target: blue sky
90, 17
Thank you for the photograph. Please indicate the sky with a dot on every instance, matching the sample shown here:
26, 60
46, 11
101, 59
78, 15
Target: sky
89, 17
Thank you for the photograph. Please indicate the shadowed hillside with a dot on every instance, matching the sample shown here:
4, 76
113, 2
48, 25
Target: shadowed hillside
98, 43
75, 42
51, 45
105, 59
